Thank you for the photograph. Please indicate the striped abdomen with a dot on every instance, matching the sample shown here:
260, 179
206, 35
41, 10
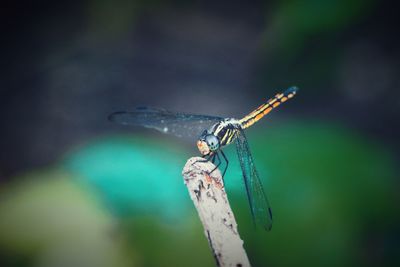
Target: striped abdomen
264, 109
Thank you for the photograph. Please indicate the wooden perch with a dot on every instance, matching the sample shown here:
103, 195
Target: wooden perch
209, 197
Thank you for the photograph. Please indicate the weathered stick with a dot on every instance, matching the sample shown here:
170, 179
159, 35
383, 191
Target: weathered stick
209, 197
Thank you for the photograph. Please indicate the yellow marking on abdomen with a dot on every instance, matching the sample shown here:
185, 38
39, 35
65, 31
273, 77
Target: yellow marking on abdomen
264, 109
259, 116
267, 110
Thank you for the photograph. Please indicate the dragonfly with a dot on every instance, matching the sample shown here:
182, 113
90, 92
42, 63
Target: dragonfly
214, 133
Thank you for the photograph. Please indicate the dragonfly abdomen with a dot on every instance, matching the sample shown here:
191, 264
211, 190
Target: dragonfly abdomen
265, 108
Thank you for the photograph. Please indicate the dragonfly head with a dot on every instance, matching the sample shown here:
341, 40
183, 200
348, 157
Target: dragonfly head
207, 143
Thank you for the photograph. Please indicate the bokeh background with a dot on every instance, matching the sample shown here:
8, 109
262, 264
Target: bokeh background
77, 190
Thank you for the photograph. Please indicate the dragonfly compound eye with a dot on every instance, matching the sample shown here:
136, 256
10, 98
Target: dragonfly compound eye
212, 142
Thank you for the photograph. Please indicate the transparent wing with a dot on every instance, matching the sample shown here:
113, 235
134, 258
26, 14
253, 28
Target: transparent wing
259, 205
178, 124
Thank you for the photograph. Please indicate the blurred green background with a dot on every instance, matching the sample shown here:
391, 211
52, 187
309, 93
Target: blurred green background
77, 190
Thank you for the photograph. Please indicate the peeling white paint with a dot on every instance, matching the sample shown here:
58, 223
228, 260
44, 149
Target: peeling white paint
210, 199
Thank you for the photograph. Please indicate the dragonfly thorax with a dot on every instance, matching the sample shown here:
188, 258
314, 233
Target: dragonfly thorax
208, 143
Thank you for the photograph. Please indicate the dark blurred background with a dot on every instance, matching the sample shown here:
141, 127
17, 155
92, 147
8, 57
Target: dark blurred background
77, 190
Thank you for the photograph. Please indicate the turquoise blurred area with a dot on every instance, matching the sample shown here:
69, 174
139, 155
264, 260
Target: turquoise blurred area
133, 174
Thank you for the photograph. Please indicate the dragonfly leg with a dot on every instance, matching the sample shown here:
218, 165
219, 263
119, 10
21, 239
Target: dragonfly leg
206, 158
227, 163
216, 155
213, 159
